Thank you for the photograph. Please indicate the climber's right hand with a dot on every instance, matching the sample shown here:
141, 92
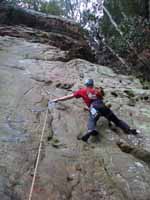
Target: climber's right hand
51, 104
53, 101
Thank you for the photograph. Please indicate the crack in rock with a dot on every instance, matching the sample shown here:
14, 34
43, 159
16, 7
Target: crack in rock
139, 153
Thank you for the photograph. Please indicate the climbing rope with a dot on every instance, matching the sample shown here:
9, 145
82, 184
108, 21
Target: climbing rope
38, 156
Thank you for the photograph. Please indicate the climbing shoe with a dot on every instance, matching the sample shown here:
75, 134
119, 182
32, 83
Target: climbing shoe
134, 131
85, 137
94, 133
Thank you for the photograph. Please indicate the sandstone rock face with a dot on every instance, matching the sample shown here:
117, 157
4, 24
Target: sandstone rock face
30, 74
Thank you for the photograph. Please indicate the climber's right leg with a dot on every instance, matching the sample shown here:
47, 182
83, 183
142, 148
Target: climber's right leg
91, 125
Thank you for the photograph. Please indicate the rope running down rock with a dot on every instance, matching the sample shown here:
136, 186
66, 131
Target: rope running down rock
38, 156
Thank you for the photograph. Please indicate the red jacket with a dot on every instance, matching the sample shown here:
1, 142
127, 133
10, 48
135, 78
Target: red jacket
88, 94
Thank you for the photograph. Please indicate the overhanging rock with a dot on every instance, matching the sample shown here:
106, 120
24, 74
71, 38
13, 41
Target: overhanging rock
63, 33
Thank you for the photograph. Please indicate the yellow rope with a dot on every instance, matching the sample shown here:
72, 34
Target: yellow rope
38, 157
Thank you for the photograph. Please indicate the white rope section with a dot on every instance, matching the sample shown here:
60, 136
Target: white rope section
38, 157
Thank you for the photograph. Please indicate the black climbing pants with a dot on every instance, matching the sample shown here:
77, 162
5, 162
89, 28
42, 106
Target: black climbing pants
106, 112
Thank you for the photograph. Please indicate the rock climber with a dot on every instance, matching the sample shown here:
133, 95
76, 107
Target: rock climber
93, 98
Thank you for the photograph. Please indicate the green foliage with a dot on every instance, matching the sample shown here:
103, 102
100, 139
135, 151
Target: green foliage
132, 20
31, 4
135, 33
51, 8
87, 17
14, 2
